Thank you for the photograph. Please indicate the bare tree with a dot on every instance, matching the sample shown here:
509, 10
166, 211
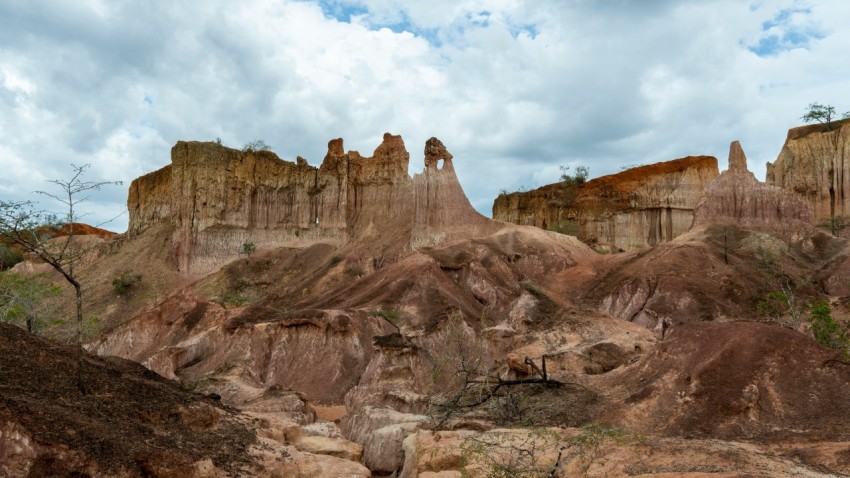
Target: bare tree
23, 224
464, 378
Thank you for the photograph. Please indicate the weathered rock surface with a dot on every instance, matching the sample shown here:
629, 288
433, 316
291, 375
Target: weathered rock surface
381, 307
736, 197
815, 164
639, 207
256, 359
756, 380
219, 198
338, 447
440, 455
382, 431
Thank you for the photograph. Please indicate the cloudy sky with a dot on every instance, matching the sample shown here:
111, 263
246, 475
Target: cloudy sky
514, 88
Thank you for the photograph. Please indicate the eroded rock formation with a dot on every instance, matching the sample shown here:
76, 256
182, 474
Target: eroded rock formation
639, 207
815, 163
219, 198
736, 197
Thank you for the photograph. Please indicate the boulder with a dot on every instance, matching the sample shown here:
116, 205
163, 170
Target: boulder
382, 432
311, 465
338, 447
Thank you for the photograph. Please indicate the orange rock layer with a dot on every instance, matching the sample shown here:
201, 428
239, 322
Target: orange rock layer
635, 208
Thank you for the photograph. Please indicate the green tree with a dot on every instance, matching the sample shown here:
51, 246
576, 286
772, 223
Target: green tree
23, 299
248, 248
125, 281
9, 257
826, 330
23, 224
819, 113
576, 179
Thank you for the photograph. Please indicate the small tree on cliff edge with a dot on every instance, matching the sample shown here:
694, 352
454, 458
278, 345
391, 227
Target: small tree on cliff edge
24, 225
825, 114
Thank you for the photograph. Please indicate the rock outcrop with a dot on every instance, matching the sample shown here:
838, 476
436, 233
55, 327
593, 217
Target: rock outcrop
815, 164
219, 198
639, 207
736, 197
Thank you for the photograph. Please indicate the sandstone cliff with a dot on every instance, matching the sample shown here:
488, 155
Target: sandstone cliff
219, 198
737, 197
815, 163
639, 207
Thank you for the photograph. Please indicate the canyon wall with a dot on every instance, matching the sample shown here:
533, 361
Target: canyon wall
218, 199
639, 207
736, 197
815, 163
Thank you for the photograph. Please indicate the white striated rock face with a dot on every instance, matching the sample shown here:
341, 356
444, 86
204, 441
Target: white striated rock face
815, 164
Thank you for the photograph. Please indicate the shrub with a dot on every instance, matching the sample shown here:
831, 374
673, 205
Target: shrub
505, 454
355, 270
236, 298
248, 248
835, 224
577, 179
826, 330
256, 145
125, 281
9, 257
335, 259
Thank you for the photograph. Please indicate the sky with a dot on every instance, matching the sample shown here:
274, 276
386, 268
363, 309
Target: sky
514, 89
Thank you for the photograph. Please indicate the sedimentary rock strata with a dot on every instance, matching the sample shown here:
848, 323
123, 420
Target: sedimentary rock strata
737, 197
219, 198
815, 164
638, 207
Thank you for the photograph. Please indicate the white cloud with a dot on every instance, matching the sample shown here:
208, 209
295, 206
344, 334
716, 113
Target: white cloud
513, 88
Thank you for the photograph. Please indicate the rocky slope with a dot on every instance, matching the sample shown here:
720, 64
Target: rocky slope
815, 163
393, 342
642, 206
747, 239
132, 422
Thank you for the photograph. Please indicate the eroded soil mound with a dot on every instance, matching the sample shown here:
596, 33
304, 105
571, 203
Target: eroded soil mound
130, 422
718, 273
754, 381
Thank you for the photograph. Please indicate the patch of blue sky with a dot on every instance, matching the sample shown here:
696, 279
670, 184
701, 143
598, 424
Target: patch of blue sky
783, 34
481, 18
342, 11
528, 29
147, 100
775, 44
783, 17
347, 12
